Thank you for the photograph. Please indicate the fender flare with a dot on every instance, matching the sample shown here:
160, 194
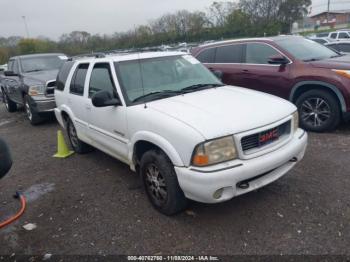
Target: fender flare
157, 140
320, 83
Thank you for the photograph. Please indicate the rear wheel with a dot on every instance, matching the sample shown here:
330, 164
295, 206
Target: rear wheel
319, 111
32, 115
10, 105
161, 184
78, 146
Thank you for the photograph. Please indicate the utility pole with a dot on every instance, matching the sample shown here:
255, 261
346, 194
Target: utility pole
25, 25
328, 8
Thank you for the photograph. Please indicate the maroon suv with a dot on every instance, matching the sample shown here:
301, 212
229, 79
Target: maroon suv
310, 75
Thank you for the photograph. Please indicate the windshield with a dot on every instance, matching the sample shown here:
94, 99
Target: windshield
42, 63
305, 49
165, 75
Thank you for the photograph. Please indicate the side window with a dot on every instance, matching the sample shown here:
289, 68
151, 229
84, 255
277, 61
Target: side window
259, 53
101, 79
78, 80
15, 68
229, 54
63, 75
334, 35
344, 35
10, 65
207, 56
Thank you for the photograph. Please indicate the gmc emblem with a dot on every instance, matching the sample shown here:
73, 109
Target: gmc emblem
268, 136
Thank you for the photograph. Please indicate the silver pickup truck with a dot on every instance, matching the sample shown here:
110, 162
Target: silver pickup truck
30, 82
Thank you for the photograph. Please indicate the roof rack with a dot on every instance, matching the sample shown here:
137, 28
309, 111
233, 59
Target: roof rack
96, 55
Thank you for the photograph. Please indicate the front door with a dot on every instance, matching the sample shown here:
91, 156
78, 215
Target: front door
259, 75
107, 125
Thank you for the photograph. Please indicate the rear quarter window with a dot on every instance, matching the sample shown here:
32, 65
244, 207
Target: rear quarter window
63, 75
207, 56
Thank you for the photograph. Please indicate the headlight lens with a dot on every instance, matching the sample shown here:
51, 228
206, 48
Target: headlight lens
295, 121
214, 152
345, 73
36, 90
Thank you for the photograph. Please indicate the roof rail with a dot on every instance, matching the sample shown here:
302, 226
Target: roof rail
96, 55
135, 50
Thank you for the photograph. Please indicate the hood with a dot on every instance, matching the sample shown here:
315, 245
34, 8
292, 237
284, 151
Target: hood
225, 110
341, 62
41, 77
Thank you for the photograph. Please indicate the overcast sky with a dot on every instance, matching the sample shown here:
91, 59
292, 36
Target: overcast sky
52, 18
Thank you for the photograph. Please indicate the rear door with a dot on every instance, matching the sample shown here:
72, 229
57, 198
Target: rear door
107, 125
76, 99
259, 75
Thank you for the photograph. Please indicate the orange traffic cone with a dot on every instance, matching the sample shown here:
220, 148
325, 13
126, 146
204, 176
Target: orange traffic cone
62, 148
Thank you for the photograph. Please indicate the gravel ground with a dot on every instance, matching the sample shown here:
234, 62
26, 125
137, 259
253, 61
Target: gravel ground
92, 204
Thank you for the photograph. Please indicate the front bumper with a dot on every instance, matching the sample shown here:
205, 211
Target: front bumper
200, 184
43, 104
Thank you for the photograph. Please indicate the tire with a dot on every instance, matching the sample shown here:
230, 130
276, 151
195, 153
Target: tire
32, 115
78, 146
319, 111
10, 105
161, 184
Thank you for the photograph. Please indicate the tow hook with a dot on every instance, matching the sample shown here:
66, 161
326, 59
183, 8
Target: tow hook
294, 160
243, 185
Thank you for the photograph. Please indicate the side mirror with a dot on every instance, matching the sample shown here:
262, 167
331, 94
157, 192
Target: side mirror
104, 99
278, 60
10, 73
219, 74
5, 159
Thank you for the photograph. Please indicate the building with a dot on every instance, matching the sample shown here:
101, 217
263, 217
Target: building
332, 18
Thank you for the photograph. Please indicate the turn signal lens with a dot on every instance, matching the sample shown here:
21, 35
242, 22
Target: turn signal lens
344, 73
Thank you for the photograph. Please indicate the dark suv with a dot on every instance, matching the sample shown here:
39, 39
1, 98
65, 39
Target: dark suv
314, 77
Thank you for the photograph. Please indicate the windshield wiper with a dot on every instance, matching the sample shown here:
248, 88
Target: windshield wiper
199, 87
157, 95
312, 60
34, 70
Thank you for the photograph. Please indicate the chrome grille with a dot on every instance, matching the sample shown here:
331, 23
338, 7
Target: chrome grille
254, 141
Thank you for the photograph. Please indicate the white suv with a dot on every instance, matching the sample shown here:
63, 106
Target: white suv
172, 121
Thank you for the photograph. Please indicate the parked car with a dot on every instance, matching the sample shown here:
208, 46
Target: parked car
343, 47
321, 40
337, 35
171, 120
30, 82
308, 74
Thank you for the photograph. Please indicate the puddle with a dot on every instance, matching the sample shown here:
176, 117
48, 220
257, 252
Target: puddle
36, 191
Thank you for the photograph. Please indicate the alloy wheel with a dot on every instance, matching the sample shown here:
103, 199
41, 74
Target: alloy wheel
315, 111
29, 111
155, 184
73, 137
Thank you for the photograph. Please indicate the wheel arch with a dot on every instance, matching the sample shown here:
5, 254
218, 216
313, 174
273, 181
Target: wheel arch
304, 86
144, 141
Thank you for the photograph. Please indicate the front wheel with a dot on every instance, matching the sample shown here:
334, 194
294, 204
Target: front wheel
319, 111
31, 113
10, 105
161, 184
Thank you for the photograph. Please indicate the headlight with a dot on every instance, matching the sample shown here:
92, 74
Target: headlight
214, 152
36, 90
295, 121
345, 73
